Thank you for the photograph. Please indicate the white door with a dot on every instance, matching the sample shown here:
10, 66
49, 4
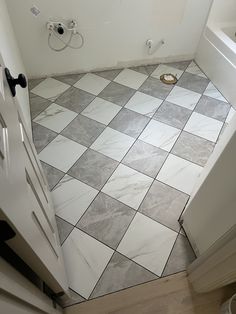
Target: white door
24, 196
211, 212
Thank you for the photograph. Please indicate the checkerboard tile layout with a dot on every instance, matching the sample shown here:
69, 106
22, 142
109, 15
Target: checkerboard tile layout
119, 151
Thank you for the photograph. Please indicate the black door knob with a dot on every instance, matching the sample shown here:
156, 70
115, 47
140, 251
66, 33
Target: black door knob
21, 80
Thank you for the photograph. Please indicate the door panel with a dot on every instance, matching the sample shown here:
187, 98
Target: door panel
24, 196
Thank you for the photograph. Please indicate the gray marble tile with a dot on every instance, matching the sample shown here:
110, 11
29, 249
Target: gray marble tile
106, 220
129, 122
109, 74
193, 148
70, 79
145, 158
93, 168
146, 69
75, 99
173, 115
155, 88
52, 174
42, 136
164, 204
181, 65
121, 273
181, 256
34, 82
37, 104
193, 82
213, 108
64, 228
75, 298
117, 93
83, 130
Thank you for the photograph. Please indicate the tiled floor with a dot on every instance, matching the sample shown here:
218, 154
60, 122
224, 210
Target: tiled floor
122, 152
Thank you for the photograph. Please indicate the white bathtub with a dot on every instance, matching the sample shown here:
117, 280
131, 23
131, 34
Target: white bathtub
216, 56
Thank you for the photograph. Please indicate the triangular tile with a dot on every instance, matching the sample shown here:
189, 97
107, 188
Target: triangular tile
64, 228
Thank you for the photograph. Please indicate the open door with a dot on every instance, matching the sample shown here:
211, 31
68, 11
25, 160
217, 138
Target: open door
25, 202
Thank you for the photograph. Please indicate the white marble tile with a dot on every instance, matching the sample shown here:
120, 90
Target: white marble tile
71, 198
179, 173
213, 92
166, 69
101, 110
148, 243
128, 186
204, 126
92, 83
55, 117
62, 153
194, 69
113, 144
183, 97
50, 88
160, 135
144, 104
130, 78
85, 261
230, 115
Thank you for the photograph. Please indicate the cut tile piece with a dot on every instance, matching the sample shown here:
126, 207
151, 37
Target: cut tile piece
109, 74
164, 204
193, 82
213, 92
203, 126
160, 135
130, 78
179, 173
52, 174
37, 104
213, 108
101, 110
50, 88
144, 104
180, 258
62, 153
83, 130
193, 148
70, 79
173, 115
194, 69
121, 273
42, 136
106, 220
75, 298
117, 93
230, 115
92, 83
128, 186
85, 260
155, 88
148, 243
146, 69
34, 82
55, 118
64, 228
113, 144
93, 168
75, 99
181, 65
129, 122
183, 97
145, 158
71, 198
166, 69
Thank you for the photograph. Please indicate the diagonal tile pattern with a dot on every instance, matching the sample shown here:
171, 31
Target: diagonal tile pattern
122, 152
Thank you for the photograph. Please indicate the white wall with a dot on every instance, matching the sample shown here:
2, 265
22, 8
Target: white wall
11, 56
115, 32
223, 11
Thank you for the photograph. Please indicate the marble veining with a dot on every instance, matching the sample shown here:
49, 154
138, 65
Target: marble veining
92, 83
183, 97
